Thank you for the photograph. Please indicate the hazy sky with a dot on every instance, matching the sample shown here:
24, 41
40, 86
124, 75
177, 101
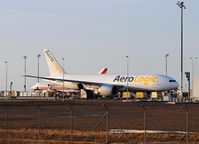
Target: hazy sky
92, 34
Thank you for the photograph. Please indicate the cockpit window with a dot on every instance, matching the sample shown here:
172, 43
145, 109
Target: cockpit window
172, 81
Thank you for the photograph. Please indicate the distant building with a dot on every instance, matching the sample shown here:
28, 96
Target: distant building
195, 92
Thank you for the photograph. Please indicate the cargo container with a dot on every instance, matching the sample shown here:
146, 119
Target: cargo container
126, 95
140, 95
156, 95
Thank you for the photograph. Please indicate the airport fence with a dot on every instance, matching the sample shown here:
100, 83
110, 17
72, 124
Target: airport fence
42, 122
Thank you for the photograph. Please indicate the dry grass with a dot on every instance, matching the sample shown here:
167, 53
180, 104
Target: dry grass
47, 136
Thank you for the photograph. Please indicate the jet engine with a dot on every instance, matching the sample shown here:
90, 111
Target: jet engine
107, 90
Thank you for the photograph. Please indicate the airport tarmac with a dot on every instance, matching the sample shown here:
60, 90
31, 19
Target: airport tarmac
56, 115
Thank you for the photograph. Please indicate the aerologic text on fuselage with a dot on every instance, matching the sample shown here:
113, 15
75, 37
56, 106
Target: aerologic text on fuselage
137, 79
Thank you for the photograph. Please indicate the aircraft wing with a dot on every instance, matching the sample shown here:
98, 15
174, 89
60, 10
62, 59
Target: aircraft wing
67, 80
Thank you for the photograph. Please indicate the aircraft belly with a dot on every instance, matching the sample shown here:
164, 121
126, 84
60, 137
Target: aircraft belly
69, 85
143, 87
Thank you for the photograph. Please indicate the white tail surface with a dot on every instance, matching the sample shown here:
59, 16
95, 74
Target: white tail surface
53, 65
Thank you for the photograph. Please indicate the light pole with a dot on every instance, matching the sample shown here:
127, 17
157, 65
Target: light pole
6, 63
63, 75
193, 65
166, 61
25, 57
182, 7
38, 56
127, 74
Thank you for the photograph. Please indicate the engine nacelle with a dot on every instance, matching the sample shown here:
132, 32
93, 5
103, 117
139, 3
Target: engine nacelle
107, 90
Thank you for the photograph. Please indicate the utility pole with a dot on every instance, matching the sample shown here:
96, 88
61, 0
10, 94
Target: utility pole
6, 76
127, 74
182, 7
25, 57
166, 61
63, 75
38, 56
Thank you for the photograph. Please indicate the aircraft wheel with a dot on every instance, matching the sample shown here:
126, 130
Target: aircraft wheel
89, 94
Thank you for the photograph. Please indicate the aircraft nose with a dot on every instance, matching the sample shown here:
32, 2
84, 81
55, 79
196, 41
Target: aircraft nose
173, 83
176, 85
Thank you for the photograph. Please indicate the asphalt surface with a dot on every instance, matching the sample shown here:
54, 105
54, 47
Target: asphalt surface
86, 113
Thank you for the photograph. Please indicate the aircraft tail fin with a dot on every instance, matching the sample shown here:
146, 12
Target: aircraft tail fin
53, 65
103, 71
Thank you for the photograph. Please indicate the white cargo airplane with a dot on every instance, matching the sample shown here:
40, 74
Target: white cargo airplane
106, 85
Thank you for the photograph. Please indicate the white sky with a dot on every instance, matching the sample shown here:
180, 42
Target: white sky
92, 34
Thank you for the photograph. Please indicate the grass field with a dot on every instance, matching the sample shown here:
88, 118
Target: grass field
31, 136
